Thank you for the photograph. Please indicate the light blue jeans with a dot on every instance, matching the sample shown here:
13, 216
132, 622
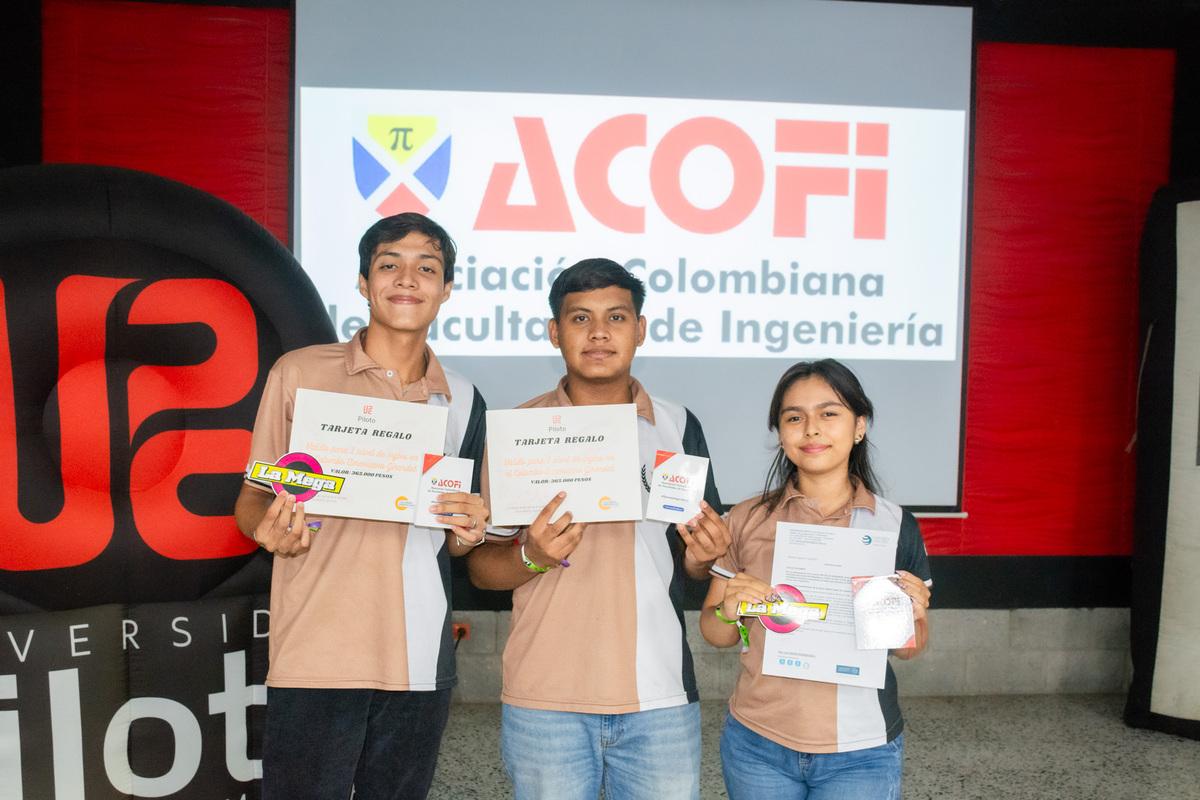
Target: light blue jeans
563, 755
756, 768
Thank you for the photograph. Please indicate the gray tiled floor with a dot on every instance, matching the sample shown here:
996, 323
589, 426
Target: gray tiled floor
1057, 747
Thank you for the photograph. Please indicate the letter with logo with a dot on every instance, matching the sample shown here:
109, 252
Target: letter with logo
359, 456
440, 475
817, 563
676, 487
589, 452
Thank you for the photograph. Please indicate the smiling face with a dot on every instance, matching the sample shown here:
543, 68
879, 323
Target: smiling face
817, 430
598, 332
404, 284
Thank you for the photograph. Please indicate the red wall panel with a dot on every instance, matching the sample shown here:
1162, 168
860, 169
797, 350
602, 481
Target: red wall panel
200, 94
1069, 145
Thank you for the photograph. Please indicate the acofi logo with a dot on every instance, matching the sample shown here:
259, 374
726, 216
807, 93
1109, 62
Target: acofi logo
383, 171
862, 179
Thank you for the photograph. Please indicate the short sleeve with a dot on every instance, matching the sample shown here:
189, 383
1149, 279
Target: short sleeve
910, 549
475, 438
273, 424
694, 444
736, 520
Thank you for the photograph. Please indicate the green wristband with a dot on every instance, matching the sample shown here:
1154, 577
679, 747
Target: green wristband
721, 616
742, 630
529, 565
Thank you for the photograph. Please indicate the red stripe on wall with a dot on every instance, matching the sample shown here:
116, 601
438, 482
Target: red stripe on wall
200, 94
1070, 143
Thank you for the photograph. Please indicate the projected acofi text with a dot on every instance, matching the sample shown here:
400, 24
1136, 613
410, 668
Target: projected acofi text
759, 229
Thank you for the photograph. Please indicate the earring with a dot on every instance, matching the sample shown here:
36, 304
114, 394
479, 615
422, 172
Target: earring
858, 439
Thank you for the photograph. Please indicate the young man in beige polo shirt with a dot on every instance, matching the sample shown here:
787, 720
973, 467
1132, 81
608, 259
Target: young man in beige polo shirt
599, 689
361, 655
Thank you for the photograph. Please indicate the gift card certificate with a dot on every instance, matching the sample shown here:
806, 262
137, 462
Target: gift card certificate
376, 445
589, 452
819, 561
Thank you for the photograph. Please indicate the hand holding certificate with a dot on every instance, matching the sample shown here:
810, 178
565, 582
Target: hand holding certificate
355, 456
590, 453
815, 564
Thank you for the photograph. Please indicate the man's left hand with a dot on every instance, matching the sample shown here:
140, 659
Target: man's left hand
707, 538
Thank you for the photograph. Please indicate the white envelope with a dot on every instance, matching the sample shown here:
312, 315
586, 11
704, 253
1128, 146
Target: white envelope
440, 475
676, 487
883, 614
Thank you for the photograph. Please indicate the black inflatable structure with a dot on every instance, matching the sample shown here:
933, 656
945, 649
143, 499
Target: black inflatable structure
139, 320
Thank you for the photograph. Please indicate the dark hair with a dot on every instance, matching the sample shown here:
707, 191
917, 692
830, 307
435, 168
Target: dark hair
395, 228
595, 273
846, 386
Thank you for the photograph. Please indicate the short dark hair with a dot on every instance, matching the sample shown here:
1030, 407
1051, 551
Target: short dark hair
395, 228
595, 273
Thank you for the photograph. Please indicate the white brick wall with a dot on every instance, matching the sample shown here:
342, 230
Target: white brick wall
1022, 651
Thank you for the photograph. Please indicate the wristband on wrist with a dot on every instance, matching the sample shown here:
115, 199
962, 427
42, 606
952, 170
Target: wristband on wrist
529, 565
742, 630
721, 615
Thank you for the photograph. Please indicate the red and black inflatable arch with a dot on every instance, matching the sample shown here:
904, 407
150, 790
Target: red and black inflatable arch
138, 320
140, 317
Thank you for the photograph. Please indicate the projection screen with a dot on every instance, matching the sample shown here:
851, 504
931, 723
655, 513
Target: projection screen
788, 179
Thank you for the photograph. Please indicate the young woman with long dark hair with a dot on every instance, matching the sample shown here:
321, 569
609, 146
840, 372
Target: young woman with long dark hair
787, 737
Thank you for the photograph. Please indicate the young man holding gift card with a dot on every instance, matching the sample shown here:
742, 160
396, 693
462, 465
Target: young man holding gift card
599, 689
362, 660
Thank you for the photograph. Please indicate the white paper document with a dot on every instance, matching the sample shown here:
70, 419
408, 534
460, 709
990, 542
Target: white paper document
589, 452
817, 563
441, 475
676, 487
374, 446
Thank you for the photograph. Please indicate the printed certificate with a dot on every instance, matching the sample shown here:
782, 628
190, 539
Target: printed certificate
814, 563
589, 452
376, 447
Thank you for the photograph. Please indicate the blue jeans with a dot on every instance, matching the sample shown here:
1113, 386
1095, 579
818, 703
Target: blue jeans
564, 755
756, 767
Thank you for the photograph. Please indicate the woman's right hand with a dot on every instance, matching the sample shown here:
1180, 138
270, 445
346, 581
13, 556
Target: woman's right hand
745, 588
